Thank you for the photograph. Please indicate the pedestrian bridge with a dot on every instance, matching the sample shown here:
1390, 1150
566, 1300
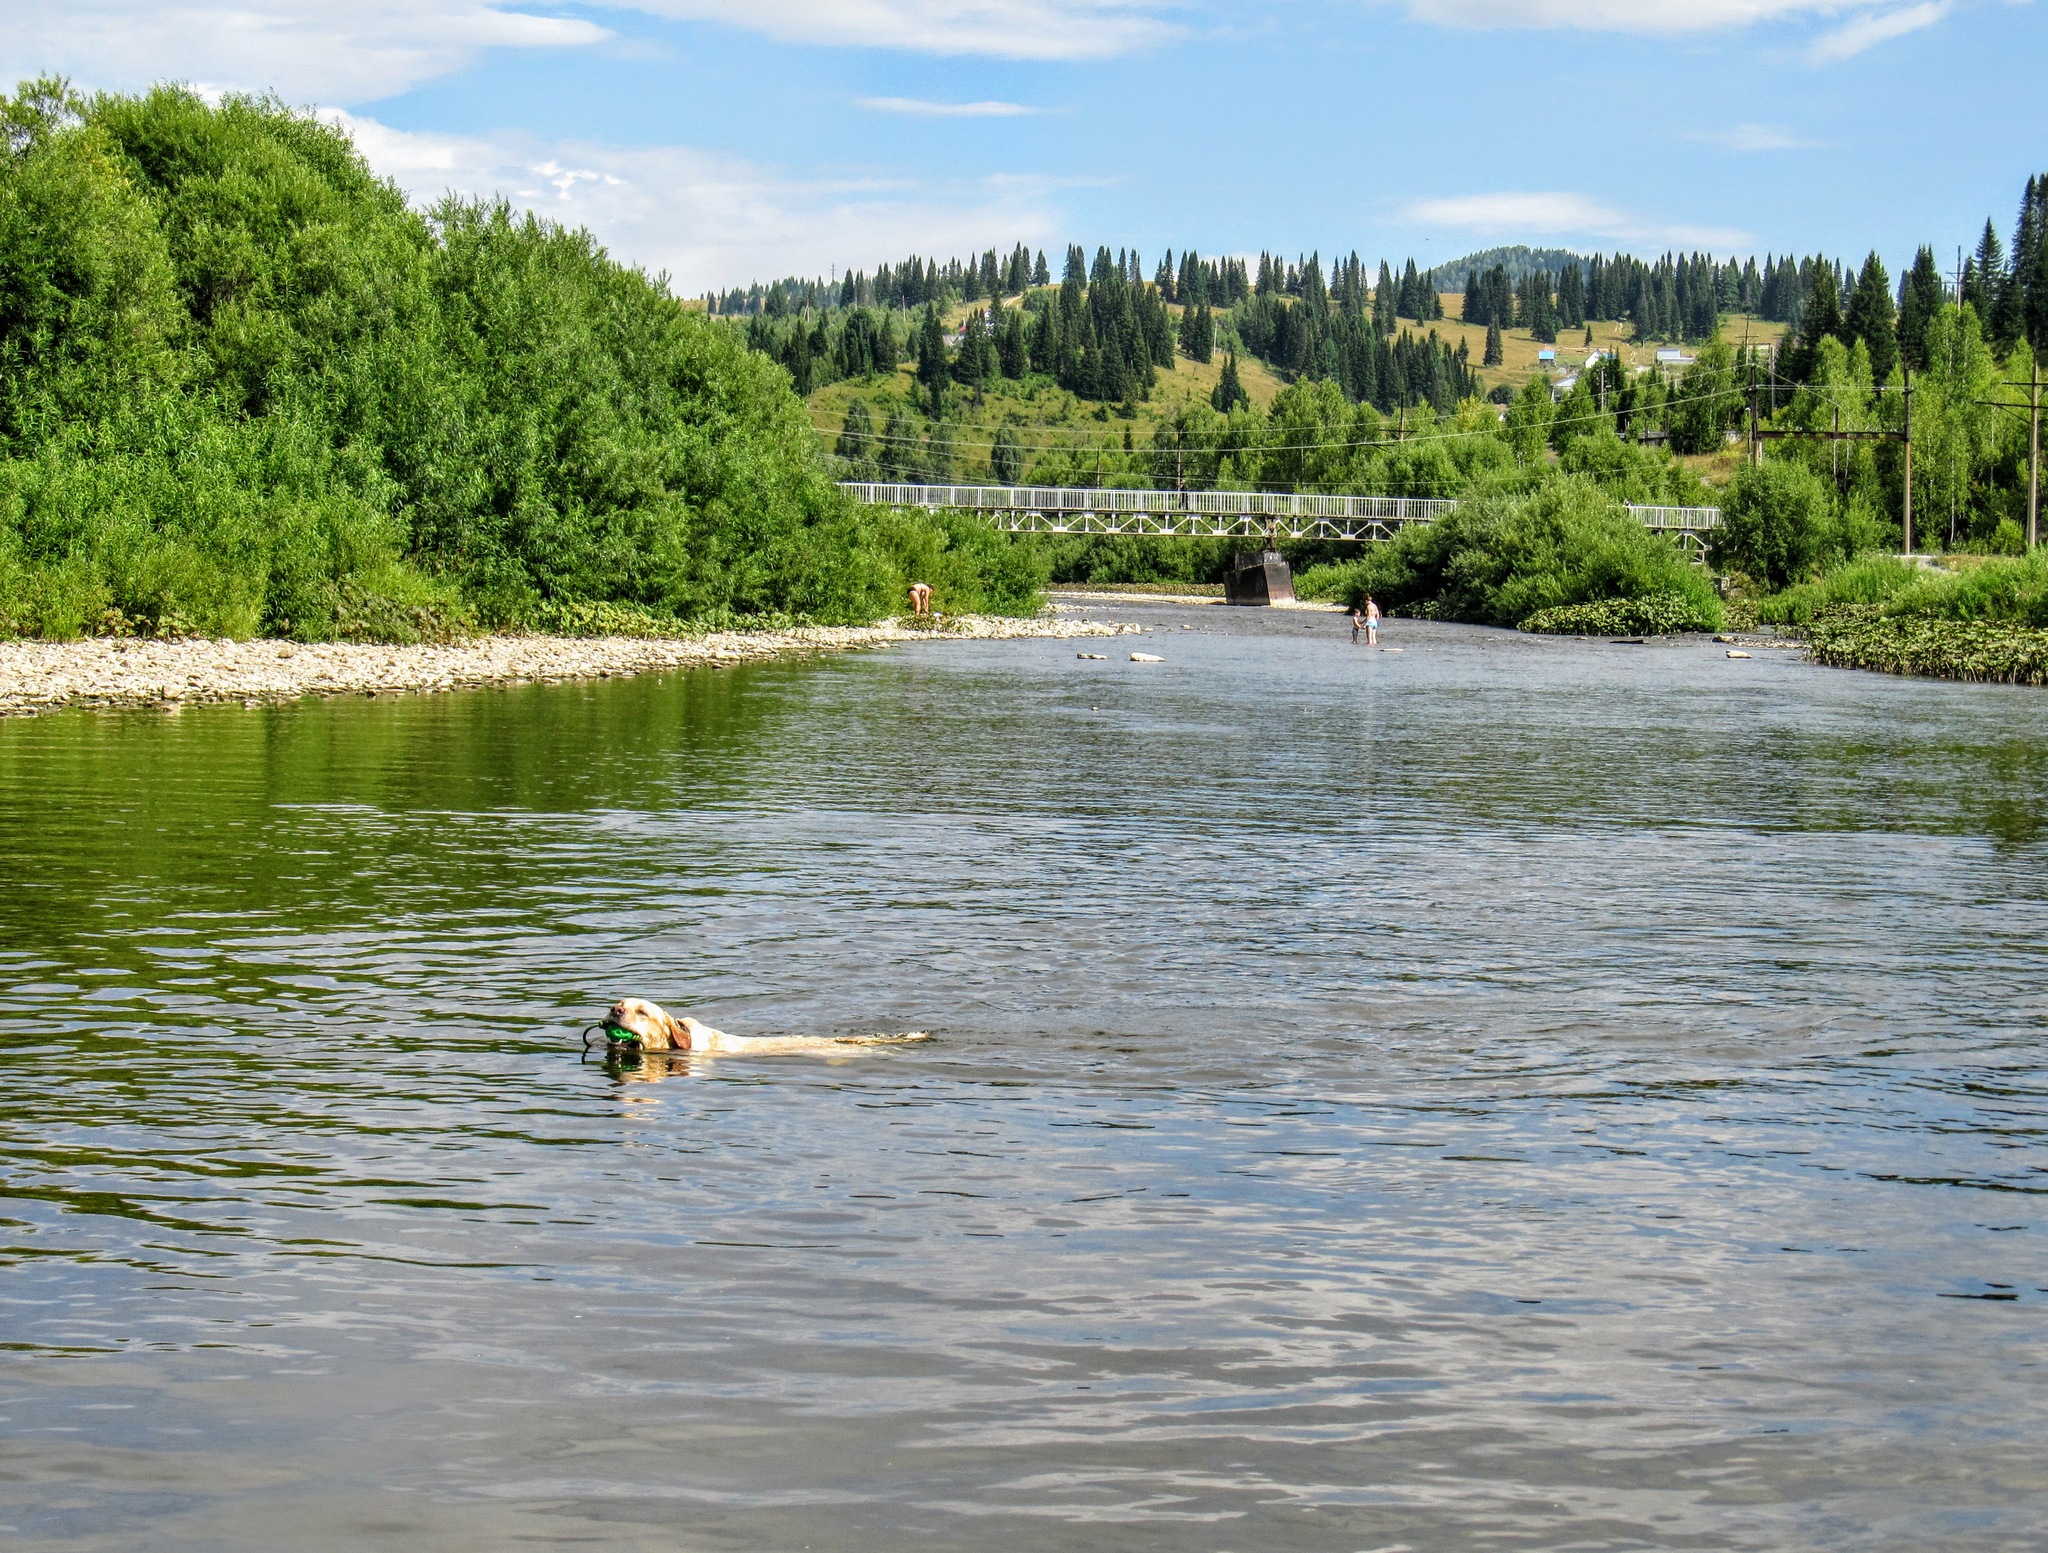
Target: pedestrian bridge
1268, 515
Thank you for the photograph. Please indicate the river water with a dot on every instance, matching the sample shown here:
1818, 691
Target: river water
1504, 1093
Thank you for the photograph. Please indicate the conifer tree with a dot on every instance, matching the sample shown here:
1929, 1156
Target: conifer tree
1040, 275
1229, 392
1820, 318
1012, 345
901, 455
1920, 299
1384, 300
2029, 282
856, 444
1494, 356
2009, 312
932, 365
1006, 457
1870, 318
1408, 303
1985, 280
971, 367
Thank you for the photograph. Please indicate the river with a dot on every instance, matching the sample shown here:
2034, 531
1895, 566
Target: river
1503, 1093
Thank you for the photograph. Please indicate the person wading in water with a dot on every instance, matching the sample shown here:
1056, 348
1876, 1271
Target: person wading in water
920, 598
1357, 621
1372, 622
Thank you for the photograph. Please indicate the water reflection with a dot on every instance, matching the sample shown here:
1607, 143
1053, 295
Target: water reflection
1511, 1091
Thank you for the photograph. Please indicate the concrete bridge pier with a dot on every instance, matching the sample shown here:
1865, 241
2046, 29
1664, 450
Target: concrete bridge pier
1258, 577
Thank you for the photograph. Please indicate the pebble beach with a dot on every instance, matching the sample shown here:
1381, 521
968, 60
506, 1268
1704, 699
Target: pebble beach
48, 676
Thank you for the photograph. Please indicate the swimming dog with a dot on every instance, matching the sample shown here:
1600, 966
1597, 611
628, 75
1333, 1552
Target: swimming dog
654, 1029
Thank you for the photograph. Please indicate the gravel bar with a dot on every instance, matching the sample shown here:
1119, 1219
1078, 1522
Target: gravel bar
47, 676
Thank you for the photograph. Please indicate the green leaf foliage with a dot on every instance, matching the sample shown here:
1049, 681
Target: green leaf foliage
1781, 523
1659, 614
1511, 552
245, 388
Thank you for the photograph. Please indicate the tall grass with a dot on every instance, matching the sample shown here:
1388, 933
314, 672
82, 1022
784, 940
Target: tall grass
1993, 590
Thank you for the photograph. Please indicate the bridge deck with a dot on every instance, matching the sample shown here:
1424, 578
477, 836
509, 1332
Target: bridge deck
1046, 509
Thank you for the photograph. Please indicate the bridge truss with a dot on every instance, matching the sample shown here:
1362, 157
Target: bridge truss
1262, 515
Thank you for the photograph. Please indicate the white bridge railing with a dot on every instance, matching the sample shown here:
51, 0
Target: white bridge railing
1050, 509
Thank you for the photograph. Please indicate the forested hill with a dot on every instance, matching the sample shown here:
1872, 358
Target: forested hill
1518, 261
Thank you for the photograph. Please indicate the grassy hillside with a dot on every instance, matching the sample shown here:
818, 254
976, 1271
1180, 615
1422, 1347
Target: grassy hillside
1045, 416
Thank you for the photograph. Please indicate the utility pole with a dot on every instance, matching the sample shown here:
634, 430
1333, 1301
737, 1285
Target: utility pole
1756, 447
2034, 459
1909, 461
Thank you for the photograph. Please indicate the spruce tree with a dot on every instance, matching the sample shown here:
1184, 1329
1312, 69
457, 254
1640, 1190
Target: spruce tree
1040, 275
1383, 301
1985, 279
856, 444
1870, 318
1229, 392
1820, 318
1006, 457
2029, 282
932, 365
1205, 333
902, 452
1920, 300
1493, 356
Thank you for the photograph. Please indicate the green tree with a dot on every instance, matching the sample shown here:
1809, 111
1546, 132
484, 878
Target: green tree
1870, 318
855, 448
1229, 392
1006, 457
1495, 354
1781, 524
1527, 427
933, 367
1922, 300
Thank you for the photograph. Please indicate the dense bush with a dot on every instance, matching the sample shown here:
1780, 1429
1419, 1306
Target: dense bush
1657, 615
244, 388
1860, 637
1507, 554
1781, 524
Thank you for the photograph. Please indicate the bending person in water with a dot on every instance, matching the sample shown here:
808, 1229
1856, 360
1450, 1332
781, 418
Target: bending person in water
920, 598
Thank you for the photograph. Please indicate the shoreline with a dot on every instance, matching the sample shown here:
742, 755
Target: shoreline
168, 675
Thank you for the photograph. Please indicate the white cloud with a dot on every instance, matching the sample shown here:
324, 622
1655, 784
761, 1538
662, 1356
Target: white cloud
919, 108
1650, 16
1753, 137
1866, 32
306, 50
1676, 17
708, 219
1527, 215
1010, 29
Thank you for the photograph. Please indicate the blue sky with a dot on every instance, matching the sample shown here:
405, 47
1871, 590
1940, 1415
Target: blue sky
730, 140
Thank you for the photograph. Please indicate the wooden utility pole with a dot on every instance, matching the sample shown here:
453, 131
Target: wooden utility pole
2034, 459
1909, 461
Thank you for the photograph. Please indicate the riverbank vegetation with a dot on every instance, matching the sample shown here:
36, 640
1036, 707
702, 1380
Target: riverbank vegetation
244, 389
1556, 553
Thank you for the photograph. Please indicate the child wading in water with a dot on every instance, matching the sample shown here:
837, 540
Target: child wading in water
1357, 620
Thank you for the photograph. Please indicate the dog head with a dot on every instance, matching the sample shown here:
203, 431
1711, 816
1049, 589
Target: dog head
650, 1024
